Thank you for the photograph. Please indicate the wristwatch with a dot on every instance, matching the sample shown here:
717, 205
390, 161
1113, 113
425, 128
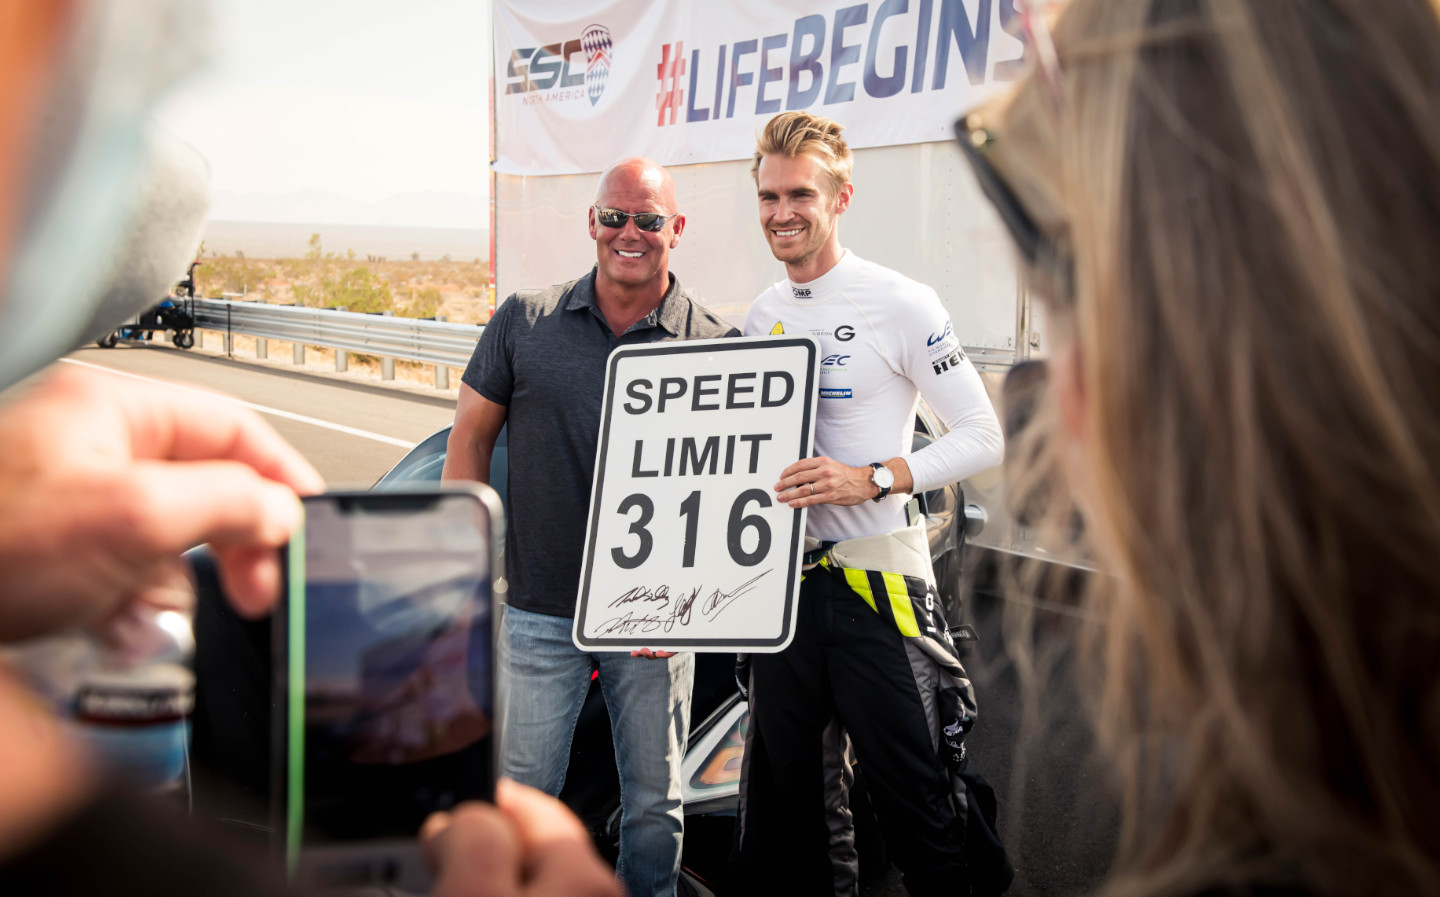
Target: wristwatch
883, 479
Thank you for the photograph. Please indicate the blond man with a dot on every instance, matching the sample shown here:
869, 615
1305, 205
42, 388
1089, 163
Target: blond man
886, 341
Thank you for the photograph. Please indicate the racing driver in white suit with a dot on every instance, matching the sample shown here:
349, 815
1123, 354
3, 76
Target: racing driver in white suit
885, 341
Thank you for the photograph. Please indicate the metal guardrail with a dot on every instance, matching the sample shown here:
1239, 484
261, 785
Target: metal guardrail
406, 339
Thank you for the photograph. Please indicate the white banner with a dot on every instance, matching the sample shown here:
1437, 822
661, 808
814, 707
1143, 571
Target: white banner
582, 83
687, 548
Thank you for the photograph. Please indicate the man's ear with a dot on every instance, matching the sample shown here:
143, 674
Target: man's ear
842, 199
594, 225
678, 224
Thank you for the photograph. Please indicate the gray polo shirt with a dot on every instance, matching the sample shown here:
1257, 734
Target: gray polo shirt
543, 357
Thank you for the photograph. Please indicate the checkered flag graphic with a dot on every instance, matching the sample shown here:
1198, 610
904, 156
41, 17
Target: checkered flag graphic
595, 41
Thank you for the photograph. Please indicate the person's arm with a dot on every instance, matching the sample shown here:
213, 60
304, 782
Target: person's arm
974, 441
472, 438
103, 483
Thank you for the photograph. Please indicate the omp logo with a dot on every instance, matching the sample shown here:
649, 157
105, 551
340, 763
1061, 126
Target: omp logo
778, 328
942, 336
834, 393
595, 40
835, 361
563, 71
801, 292
949, 362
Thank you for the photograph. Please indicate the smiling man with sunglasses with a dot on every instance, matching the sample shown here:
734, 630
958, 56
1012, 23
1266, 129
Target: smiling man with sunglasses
540, 368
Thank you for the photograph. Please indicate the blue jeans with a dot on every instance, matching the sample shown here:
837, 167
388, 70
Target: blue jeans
543, 682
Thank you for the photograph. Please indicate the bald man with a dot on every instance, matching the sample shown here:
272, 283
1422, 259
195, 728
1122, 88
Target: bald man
540, 367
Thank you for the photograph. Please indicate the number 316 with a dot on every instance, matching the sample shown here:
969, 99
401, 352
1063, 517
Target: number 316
690, 511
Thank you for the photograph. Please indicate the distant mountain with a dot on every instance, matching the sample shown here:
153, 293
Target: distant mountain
424, 209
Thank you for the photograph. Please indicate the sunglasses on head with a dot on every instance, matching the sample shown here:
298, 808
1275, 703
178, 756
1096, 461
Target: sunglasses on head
1035, 246
646, 221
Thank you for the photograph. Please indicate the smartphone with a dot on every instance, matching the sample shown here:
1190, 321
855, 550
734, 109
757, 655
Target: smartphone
384, 679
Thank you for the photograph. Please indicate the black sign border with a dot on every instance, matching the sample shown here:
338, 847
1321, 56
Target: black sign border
812, 349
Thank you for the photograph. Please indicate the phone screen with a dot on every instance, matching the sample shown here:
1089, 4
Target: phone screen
388, 671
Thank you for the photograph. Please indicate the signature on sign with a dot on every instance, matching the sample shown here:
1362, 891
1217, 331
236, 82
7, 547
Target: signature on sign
660, 609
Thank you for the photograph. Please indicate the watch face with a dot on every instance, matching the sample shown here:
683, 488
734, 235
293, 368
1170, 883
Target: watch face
883, 477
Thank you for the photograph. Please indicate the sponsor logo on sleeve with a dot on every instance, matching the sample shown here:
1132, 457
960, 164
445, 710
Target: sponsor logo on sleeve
949, 362
943, 343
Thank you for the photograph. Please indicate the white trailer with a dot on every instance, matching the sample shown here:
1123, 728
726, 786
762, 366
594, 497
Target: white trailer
916, 208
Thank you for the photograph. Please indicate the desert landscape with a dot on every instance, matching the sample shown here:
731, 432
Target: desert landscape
414, 287
323, 278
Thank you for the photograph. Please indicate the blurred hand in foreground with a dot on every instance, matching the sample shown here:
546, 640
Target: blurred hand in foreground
529, 844
104, 482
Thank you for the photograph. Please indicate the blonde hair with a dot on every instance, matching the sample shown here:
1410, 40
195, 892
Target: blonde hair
792, 134
1250, 190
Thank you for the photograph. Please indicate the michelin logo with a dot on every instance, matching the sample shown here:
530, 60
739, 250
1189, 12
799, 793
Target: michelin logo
835, 393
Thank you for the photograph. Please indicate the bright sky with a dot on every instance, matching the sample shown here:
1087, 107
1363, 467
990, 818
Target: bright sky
361, 98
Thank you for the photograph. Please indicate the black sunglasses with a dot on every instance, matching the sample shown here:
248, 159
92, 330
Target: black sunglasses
646, 221
1035, 246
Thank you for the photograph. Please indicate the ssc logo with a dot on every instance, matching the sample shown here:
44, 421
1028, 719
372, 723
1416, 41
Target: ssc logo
844, 333
595, 41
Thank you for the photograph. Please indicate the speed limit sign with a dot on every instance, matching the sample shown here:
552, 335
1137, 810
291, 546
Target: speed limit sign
688, 548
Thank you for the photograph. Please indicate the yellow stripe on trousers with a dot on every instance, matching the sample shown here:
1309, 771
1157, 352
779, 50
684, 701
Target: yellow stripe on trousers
896, 592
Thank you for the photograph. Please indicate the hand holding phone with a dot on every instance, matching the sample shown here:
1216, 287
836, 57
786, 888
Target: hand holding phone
529, 844
384, 679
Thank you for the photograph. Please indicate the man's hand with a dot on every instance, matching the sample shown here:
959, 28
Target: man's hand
825, 481
104, 484
531, 845
653, 655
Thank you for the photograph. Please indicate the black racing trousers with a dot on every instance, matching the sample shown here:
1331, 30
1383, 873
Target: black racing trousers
846, 662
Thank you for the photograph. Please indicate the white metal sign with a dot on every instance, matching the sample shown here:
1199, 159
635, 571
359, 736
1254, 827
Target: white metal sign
688, 549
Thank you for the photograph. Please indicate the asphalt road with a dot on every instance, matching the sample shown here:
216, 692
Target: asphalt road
351, 431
